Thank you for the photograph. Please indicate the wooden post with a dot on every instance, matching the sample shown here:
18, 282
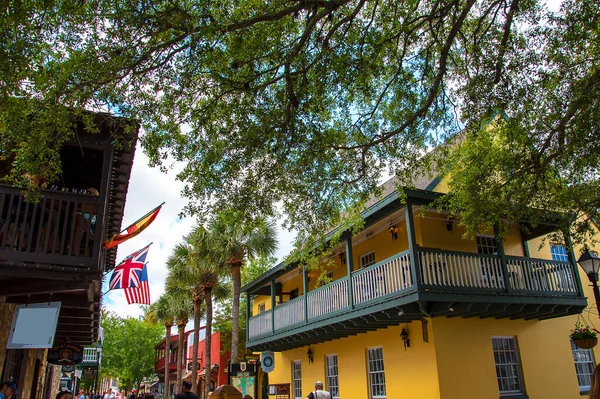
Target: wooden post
305, 293
502, 256
273, 304
415, 261
349, 268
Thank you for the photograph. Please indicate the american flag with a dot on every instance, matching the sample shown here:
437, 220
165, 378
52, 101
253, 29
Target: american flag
128, 273
141, 293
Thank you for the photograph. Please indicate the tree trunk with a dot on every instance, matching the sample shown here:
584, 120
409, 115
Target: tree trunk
167, 358
235, 310
197, 312
209, 316
180, 352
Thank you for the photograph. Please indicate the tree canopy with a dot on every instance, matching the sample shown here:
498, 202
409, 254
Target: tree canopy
128, 349
303, 106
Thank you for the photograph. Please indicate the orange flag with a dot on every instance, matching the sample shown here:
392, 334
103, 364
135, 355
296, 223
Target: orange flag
133, 230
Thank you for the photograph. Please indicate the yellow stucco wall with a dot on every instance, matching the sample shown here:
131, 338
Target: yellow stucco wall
409, 374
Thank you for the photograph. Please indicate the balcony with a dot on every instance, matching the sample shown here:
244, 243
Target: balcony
90, 357
159, 365
58, 230
439, 283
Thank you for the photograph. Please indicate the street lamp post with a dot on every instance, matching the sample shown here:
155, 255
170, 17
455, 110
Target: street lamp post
98, 352
590, 262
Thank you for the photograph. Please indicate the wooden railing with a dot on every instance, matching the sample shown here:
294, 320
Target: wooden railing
60, 228
330, 298
540, 275
261, 324
438, 270
387, 277
289, 313
460, 269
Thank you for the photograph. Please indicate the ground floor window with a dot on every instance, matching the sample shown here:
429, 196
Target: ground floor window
376, 373
508, 365
297, 379
584, 366
333, 385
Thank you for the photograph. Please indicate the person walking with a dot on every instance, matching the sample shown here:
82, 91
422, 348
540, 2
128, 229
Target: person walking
319, 393
186, 392
7, 389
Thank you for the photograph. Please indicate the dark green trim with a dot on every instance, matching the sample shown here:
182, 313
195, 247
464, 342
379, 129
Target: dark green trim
273, 303
349, 270
573, 261
305, 291
415, 260
248, 307
503, 262
433, 184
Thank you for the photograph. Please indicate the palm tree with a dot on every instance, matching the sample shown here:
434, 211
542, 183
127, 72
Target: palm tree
181, 266
182, 309
162, 312
232, 243
189, 265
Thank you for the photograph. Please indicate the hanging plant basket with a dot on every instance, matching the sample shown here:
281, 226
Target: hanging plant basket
586, 343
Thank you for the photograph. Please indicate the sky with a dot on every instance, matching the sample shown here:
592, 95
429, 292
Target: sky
148, 187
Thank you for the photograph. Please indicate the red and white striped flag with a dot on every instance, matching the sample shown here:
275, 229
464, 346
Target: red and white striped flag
141, 293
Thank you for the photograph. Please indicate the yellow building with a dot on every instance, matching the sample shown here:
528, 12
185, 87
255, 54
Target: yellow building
416, 311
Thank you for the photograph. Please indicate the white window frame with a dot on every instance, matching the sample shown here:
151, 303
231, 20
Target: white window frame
509, 359
332, 375
584, 378
368, 262
262, 308
487, 245
297, 379
375, 374
559, 255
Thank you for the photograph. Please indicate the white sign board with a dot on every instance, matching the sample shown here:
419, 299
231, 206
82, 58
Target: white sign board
33, 326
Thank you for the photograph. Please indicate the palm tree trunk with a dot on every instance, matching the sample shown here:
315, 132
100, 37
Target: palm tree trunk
167, 358
235, 310
180, 353
209, 316
197, 311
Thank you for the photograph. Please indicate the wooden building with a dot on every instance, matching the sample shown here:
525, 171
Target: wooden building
50, 250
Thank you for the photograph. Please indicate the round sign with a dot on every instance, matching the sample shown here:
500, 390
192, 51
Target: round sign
268, 361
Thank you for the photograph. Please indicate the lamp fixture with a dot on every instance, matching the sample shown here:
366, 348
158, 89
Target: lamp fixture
309, 353
405, 339
590, 262
393, 231
342, 256
450, 223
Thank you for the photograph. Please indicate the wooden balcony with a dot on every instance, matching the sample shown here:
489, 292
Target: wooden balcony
159, 365
60, 229
438, 283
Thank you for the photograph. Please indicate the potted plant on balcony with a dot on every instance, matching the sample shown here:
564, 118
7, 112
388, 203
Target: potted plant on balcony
584, 337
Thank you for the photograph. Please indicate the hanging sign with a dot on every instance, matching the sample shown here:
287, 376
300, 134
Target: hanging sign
267, 361
65, 354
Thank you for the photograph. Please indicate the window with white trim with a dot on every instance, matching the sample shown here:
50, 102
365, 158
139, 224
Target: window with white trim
297, 379
486, 245
376, 373
559, 252
261, 308
367, 259
564, 277
331, 372
584, 366
508, 366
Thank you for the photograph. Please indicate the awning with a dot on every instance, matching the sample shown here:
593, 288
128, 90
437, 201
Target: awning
153, 386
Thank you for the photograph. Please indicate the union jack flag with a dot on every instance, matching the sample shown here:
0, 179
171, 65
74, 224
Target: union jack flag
141, 293
128, 273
